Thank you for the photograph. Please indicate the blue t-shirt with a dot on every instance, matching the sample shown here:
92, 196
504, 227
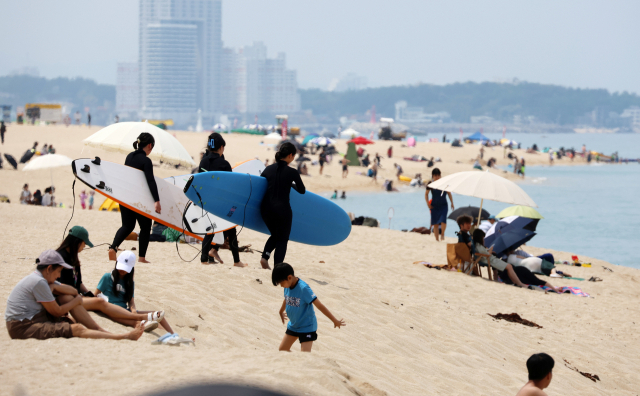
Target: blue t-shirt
106, 287
300, 298
438, 198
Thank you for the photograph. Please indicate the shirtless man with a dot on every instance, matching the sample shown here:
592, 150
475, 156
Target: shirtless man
540, 368
345, 168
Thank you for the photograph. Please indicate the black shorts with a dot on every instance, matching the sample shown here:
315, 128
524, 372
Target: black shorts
344, 168
303, 337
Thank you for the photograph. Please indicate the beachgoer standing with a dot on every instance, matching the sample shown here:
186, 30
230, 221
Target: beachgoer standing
78, 117
390, 151
138, 159
88, 119
481, 152
214, 161
345, 167
438, 206
322, 159
275, 208
3, 129
540, 368
83, 199
522, 168
297, 306
91, 194
398, 170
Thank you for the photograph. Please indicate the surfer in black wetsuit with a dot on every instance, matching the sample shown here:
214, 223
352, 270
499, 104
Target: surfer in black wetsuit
275, 209
138, 159
214, 160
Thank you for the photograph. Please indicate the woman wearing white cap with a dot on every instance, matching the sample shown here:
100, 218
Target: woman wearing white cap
118, 287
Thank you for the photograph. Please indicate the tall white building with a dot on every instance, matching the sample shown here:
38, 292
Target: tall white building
128, 90
253, 83
180, 58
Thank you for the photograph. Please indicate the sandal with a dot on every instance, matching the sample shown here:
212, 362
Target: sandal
157, 316
149, 325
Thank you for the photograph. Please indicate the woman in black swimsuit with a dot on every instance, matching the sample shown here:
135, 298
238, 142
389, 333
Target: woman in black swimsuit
275, 209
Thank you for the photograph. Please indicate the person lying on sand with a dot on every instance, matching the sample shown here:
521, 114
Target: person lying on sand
519, 276
118, 287
32, 310
540, 367
298, 300
72, 284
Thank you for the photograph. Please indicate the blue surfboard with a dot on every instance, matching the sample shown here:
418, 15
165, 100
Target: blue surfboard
237, 197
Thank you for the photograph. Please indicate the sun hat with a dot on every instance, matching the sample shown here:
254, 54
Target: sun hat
81, 233
126, 261
51, 257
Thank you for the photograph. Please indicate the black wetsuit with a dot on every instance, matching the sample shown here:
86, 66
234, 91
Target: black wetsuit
276, 210
138, 160
216, 162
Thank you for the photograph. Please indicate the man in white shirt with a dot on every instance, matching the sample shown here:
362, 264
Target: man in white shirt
487, 224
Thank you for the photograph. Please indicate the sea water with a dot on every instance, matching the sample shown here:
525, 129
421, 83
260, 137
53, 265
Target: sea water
591, 210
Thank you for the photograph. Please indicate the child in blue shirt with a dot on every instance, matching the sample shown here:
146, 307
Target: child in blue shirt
298, 302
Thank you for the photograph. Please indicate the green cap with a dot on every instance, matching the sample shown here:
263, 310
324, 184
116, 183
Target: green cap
81, 233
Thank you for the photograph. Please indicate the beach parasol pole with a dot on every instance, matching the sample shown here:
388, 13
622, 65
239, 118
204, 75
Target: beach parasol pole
480, 213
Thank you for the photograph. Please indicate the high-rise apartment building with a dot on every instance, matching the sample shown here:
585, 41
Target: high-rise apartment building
180, 58
252, 83
128, 90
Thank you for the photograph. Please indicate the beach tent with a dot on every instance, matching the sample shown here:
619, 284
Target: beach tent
477, 137
352, 155
110, 206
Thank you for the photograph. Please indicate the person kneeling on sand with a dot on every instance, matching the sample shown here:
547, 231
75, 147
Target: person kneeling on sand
118, 287
540, 367
519, 276
72, 245
298, 302
32, 310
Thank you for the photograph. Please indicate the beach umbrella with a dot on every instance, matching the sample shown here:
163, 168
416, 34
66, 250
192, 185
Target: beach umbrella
329, 135
48, 161
302, 159
120, 137
522, 211
291, 140
219, 127
11, 160
322, 141
470, 211
27, 156
509, 240
349, 133
274, 136
509, 224
360, 140
483, 185
308, 138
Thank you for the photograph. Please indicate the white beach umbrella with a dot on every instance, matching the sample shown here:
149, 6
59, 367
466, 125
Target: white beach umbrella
274, 136
48, 161
219, 127
120, 137
322, 141
349, 133
484, 185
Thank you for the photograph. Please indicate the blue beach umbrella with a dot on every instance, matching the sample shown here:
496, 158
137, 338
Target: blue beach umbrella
510, 240
308, 138
510, 232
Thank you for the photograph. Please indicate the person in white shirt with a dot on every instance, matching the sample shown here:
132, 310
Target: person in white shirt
487, 224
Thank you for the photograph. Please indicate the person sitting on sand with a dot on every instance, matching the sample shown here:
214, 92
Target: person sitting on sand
25, 195
118, 286
32, 310
72, 245
298, 303
540, 368
519, 276
47, 198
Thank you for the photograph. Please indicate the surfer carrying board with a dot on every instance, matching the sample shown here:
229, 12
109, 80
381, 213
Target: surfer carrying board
214, 160
138, 159
275, 208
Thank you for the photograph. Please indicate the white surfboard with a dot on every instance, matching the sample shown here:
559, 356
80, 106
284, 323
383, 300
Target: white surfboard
128, 187
197, 215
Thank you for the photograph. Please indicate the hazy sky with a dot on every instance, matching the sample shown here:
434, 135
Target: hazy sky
573, 43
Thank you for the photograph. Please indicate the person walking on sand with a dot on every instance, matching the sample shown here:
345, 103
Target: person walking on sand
32, 310
297, 306
275, 208
88, 119
540, 368
214, 161
438, 206
138, 159
345, 167
322, 158
3, 129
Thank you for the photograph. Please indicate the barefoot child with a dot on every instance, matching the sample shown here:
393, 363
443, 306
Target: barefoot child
540, 368
298, 300
83, 199
91, 194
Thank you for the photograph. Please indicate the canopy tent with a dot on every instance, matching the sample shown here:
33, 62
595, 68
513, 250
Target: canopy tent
476, 137
120, 137
352, 155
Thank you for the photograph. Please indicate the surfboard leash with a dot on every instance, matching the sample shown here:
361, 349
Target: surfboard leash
73, 208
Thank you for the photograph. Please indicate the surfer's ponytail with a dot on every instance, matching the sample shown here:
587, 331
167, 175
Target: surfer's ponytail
144, 139
285, 150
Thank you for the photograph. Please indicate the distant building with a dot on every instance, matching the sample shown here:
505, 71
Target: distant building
350, 82
633, 115
413, 115
128, 90
180, 58
252, 83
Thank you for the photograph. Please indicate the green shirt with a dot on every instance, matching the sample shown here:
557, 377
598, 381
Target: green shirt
106, 287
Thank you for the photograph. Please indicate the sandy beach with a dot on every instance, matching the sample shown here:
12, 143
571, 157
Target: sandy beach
410, 330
